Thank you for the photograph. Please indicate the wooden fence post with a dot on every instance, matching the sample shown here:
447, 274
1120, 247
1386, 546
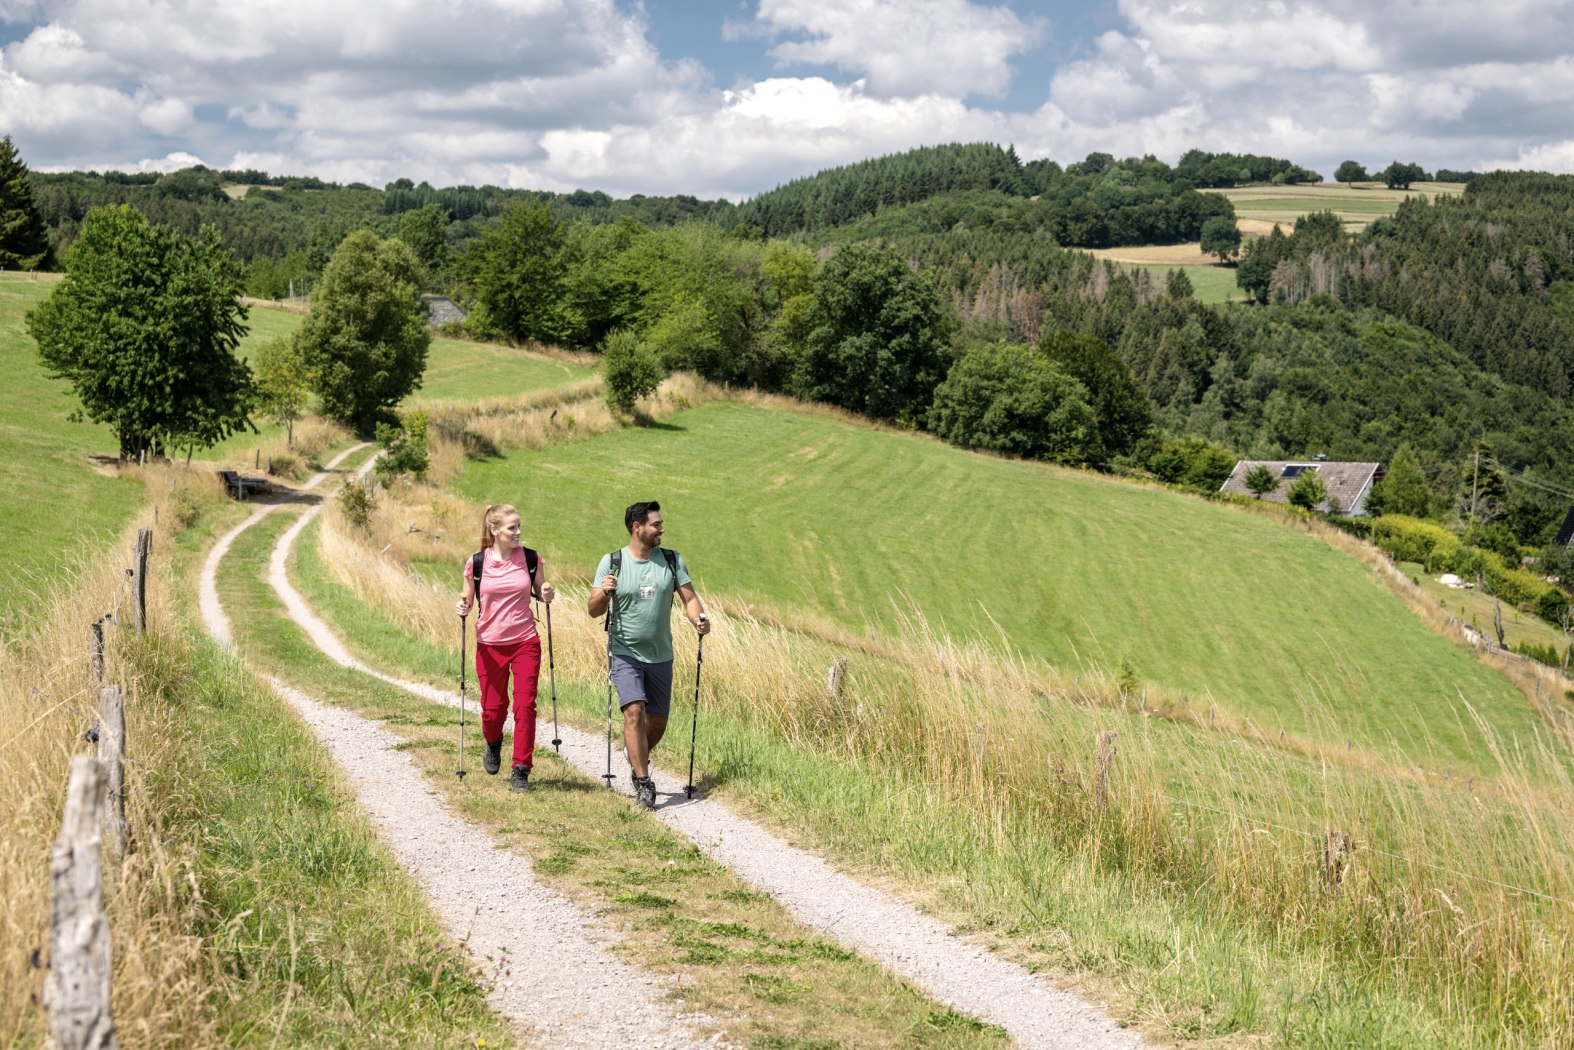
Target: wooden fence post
1337, 845
112, 761
1103, 760
834, 678
97, 655
76, 992
139, 581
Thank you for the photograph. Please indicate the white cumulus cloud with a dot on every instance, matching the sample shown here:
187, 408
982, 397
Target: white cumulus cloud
905, 47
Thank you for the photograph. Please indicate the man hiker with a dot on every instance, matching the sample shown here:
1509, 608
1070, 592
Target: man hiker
638, 582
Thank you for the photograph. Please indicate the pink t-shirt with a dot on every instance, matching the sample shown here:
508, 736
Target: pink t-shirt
504, 617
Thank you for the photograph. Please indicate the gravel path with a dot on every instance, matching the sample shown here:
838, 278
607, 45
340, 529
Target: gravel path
552, 973
954, 971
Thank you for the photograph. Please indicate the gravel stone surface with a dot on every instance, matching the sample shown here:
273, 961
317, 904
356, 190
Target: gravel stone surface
548, 965
952, 969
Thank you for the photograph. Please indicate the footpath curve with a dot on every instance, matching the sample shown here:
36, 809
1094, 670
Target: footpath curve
486, 898
957, 972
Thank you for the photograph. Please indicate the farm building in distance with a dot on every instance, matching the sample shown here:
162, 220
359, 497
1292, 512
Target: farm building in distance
1348, 484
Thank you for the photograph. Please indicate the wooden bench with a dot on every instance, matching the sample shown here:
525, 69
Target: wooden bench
238, 486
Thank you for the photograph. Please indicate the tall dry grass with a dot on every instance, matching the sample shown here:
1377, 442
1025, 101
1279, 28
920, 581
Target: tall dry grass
539, 420
1460, 890
47, 702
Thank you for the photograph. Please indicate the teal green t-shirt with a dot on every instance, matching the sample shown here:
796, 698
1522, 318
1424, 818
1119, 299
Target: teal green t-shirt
642, 617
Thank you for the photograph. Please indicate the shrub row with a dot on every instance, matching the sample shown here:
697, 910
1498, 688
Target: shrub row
1439, 550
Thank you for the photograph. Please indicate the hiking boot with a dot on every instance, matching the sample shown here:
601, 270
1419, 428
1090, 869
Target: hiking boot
492, 760
645, 792
520, 780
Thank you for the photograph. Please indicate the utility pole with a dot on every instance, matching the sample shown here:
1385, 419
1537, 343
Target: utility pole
1474, 478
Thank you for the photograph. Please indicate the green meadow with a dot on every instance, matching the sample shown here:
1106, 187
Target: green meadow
60, 502
817, 517
1210, 284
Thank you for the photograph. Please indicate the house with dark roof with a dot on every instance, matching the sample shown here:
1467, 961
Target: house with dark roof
1347, 484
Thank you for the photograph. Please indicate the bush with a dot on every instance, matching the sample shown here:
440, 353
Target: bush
404, 449
1193, 463
1411, 539
359, 502
629, 369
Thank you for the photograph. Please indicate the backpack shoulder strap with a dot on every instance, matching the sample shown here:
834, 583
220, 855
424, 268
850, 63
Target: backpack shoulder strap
532, 562
672, 565
477, 566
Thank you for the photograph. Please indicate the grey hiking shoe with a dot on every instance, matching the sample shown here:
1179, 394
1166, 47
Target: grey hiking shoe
520, 781
645, 792
492, 759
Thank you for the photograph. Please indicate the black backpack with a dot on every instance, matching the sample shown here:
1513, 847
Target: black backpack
478, 563
617, 565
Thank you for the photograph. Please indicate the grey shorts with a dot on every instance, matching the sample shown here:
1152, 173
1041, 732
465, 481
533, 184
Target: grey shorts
636, 680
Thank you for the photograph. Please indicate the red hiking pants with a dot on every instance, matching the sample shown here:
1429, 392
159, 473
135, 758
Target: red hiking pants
493, 666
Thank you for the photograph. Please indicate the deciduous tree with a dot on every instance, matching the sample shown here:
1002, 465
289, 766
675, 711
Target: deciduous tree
283, 383
1010, 398
145, 327
1350, 171
1307, 490
1122, 412
365, 340
515, 272
876, 336
1260, 480
1221, 237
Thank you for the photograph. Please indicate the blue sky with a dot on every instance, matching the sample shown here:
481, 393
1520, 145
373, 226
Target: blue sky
731, 97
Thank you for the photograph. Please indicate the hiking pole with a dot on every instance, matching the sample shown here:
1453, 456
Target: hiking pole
552, 677
460, 773
694, 729
612, 605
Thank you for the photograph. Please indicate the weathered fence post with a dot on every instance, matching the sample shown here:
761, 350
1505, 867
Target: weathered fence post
834, 679
139, 581
1337, 845
1103, 760
76, 992
112, 759
96, 657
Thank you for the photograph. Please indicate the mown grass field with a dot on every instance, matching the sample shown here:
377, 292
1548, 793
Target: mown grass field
806, 513
59, 502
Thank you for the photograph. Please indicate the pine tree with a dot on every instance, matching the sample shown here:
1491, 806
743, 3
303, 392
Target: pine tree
24, 241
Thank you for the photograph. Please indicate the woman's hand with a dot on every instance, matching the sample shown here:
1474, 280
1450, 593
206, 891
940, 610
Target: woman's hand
462, 607
548, 592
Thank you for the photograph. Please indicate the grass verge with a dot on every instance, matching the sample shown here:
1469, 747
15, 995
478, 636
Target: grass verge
256, 905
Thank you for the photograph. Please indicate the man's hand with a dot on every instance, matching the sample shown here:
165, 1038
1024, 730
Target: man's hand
609, 583
702, 625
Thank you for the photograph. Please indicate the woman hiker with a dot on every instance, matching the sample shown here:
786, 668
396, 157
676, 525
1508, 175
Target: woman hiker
500, 579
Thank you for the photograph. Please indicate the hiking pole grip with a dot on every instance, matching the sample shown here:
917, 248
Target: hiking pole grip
694, 728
